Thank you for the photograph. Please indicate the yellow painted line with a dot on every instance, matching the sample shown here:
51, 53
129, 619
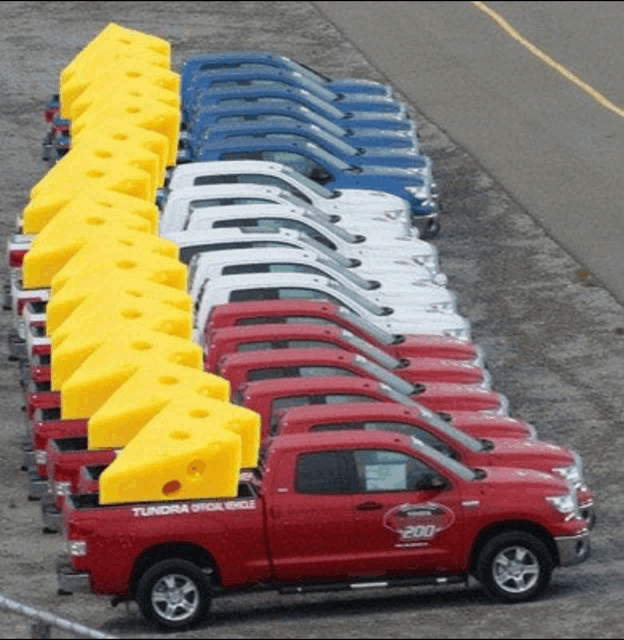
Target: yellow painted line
505, 26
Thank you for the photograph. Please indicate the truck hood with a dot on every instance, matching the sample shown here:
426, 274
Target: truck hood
535, 454
429, 322
512, 483
440, 396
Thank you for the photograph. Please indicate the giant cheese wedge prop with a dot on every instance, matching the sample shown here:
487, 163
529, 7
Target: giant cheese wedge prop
130, 134
83, 167
150, 256
129, 76
146, 112
101, 316
93, 285
114, 361
184, 464
190, 450
112, 43
41, 210
146, 393
66, 234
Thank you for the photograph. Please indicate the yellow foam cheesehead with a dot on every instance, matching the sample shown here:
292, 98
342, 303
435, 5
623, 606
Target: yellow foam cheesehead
148, 392
146, 112
42, 209
114, 361
86, 289
182, 460
132, 135
113, 44
123, 152
132, 77
132, 254
66, 234
83, 167
102, 313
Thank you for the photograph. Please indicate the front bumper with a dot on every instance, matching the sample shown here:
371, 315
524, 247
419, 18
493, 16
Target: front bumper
573, 549
52, 516
70, 581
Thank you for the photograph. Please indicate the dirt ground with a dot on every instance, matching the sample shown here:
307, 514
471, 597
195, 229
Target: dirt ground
553, 338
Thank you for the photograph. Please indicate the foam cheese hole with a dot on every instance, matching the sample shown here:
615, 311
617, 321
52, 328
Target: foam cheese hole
149, 391
111, 364
136, 290
74, 203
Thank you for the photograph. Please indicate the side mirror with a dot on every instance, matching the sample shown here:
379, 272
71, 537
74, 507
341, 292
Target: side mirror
431, 482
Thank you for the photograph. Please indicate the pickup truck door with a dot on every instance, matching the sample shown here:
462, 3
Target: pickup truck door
311, 520
403, 530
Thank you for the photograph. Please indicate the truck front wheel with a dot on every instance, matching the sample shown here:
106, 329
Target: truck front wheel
174, 594
514, 567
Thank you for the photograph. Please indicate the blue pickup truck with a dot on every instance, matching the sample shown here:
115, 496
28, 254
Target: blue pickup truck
326, 169
258, 60
238, 96
307, 132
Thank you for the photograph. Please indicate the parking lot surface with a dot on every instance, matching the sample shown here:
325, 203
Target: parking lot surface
554, 339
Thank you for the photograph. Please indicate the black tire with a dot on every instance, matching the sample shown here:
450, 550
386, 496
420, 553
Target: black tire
157, 600
531, 566
431, 231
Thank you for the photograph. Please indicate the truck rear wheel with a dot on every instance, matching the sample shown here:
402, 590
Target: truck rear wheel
514, 567
174, 595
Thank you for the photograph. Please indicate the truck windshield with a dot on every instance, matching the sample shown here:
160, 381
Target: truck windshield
320, 248
445, 461
332, 229
346, 273
318, 189
396, 396
378, 372
367, 327
431, 418
364, 302
370, 350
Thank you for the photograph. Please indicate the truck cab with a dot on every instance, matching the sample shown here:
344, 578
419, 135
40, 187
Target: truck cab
301, 286
262, 337
240, 368
386, 290
282, 312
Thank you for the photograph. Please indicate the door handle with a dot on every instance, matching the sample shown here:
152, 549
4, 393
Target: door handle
369, 506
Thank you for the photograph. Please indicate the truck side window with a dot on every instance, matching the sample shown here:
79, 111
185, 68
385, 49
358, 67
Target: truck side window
271, 373
210, 180
254, 346
246, 295
322, 372
272, 181
323, 472
342, 398
388, 471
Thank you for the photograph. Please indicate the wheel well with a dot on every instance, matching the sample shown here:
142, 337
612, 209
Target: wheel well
516, 525
170, 551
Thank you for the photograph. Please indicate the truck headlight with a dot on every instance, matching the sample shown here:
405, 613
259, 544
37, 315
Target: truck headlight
396, 214
76, 548
447, 306
62, 488
572, 474
428, 261
419, 192
458, 334
566, 505
41, 456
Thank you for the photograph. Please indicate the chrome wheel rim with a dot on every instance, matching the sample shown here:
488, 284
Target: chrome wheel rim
175, 597
515, 570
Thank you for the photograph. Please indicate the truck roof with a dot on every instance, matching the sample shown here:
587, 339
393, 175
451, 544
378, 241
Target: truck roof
338, 439
332, 414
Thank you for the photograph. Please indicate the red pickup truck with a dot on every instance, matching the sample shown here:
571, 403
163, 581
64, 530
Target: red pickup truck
329, 512
268, 398
258, 337
475, 446
311, 311
239, 368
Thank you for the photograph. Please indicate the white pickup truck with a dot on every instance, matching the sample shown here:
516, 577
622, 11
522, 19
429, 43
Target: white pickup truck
302, 286
383, 245
389, 291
